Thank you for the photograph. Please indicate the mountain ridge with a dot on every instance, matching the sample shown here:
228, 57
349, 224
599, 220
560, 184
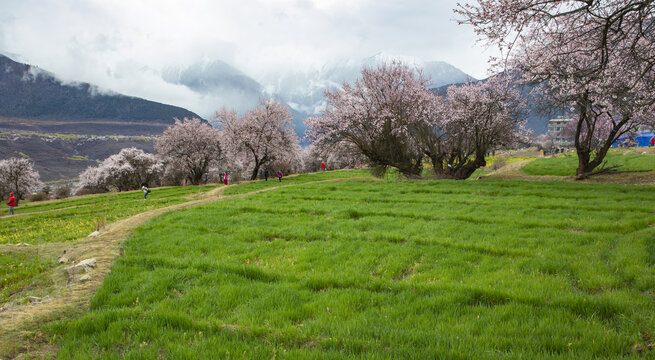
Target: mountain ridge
30, 93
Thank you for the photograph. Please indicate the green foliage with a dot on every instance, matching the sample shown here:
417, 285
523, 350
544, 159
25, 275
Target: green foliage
295, 180
383, 269
78, 158
565, 165
17, 269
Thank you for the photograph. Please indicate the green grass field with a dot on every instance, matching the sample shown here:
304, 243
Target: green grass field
273, 181
383, 270
566, 165
65, 221
70, 219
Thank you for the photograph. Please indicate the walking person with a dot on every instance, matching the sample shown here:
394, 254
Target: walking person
322, 166
146, 191
266, 174
279, 175
11, 203
225, 178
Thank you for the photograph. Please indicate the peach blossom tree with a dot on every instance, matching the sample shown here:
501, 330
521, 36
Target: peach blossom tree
127, 170
478, 117
594, 59
379, 114
190, 145
262, 136
17, 175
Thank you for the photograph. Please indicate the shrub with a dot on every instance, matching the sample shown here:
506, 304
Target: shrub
40, 196
62, 192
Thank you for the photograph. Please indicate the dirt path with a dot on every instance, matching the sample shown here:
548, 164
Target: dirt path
44, 211
17, 322
512, 171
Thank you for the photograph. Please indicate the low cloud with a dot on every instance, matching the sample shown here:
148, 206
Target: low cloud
134, 47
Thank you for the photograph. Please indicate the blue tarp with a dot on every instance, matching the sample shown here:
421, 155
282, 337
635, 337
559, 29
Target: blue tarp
643, 139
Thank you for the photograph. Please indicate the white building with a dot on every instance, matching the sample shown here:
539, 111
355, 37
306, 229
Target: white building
555, 127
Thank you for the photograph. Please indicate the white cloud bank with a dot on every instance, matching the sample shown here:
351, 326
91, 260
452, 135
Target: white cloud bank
125, 45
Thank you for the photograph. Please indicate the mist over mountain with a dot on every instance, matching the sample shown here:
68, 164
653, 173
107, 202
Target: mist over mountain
301, 89
232, 88
35, 106
45, 103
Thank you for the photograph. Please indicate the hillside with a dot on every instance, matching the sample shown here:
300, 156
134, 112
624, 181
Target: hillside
62, 157
35, 100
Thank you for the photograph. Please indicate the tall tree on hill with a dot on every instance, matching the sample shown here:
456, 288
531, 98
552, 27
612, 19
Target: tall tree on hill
379, 114
260, 137
17, 176
593, 58
192, 145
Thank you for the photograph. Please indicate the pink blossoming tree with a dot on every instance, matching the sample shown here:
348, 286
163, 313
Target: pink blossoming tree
262, 136
18, 176
191, 146
391, 118
127, 170
344, 156
478, 117
595, 59
379, 115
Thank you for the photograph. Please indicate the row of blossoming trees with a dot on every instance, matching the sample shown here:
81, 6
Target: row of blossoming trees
192, 152
391, 117
594, 60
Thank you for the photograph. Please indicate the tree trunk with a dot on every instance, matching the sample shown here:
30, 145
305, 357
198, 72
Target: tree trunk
583, 161
469, 168
437, 163
411, 170
586, 165
255, 171
195, 177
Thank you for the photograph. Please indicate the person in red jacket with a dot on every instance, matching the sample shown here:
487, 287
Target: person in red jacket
652, 141
322, 166
11, 203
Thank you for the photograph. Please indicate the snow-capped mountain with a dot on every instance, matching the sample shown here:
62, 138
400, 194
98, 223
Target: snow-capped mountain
303, 90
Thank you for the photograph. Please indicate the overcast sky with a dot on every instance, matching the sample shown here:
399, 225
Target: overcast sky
124, 45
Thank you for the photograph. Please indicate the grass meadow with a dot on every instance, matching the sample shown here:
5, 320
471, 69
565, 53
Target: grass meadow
75, 217
273, 181
566, 165
383, 270
67, 220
